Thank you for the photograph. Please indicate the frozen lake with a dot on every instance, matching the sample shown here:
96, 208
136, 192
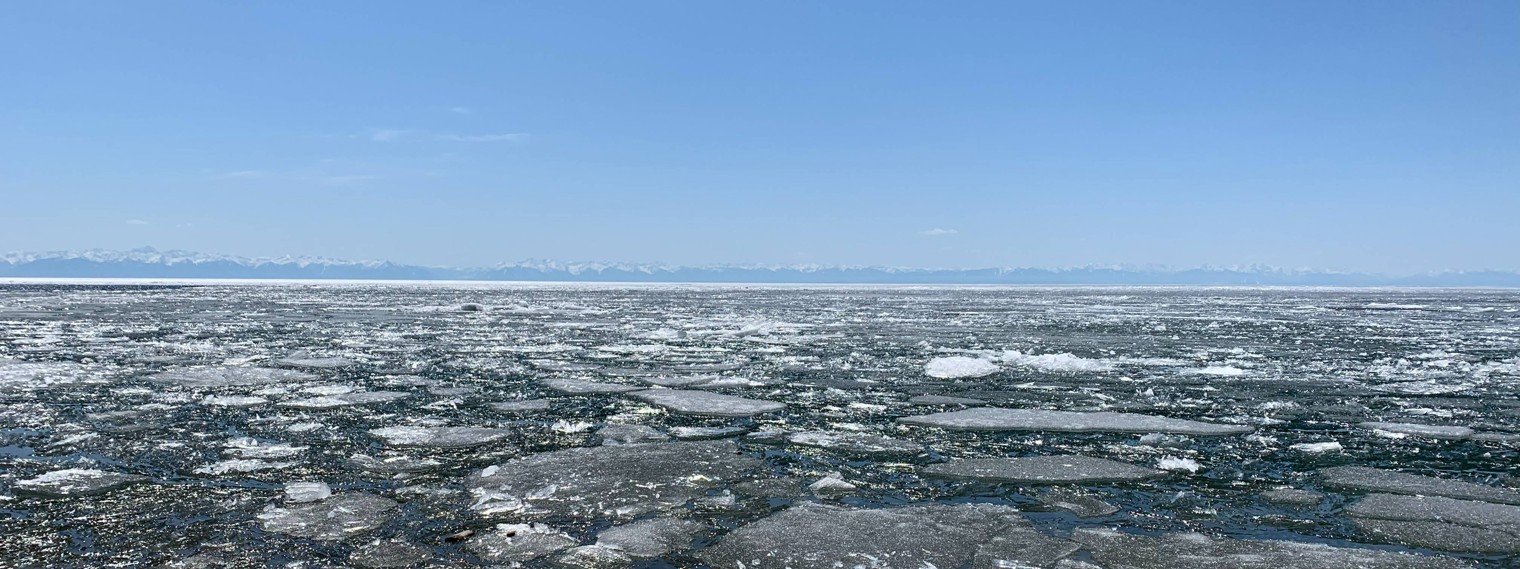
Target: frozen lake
353, 425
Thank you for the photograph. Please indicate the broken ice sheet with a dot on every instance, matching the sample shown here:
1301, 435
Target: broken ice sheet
439, 437
627, 480
77, 482
707, 403
335, 518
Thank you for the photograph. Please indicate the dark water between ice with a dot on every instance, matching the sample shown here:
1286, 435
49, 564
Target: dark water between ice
135, 380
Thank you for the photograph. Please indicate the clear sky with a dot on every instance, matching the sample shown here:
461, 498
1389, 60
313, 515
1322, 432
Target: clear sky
1379, 135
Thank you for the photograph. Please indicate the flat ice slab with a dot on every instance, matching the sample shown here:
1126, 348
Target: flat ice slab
1292, 496
706, 403
77, 482
935, 535
315, 363
1041, 470
439, 437
856, 443
1374, 480
516, 543
1418, 430
525, 406
944, 400
332, 519
618, 481
1440, 523
1000, 419
584, 387
389, 553
650, 538
226, 376
680, 380
1110, 548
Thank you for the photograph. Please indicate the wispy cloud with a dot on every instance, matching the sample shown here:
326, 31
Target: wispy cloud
300, 176
397, 134
461, 110
387, 134
136, 222
349, 179
515, 137
937, 232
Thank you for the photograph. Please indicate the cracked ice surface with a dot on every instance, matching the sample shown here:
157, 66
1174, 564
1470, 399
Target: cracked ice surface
374, 425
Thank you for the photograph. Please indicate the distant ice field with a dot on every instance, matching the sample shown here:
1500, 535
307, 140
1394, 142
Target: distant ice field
374, 424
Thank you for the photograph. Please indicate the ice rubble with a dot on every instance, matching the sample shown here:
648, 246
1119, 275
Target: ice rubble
1316, 448
621, 481
439, 437
332, 519
1077, 502
1056, 469
620, 434
232, 400
959, 367
705, 403
77, 482
1292, 496
1178, 464
705, 433
303, 361
1062, 362
345, 399
298, 492
1002, 419
241, 465
21, 375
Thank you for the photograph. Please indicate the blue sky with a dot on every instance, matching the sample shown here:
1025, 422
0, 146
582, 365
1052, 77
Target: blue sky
1381, 136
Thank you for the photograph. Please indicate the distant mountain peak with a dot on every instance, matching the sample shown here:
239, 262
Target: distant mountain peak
148, 262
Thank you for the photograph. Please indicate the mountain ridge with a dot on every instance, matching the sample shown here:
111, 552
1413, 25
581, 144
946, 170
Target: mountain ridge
147, 262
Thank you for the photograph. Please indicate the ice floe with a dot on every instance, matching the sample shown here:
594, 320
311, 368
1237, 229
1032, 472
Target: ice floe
77, 482
1366, 479
625, 480
856, 443
345, 399
1041, 470
920, 536
439, 437
1439, 523
338, 517
1002, 419
688, 402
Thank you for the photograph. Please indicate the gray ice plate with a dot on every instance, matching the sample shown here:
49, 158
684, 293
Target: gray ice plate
1041, 470
1000, 419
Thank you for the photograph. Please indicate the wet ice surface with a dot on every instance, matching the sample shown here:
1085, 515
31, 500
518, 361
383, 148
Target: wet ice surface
599, 426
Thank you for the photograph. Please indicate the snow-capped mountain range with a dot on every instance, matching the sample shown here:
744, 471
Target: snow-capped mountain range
151, 263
